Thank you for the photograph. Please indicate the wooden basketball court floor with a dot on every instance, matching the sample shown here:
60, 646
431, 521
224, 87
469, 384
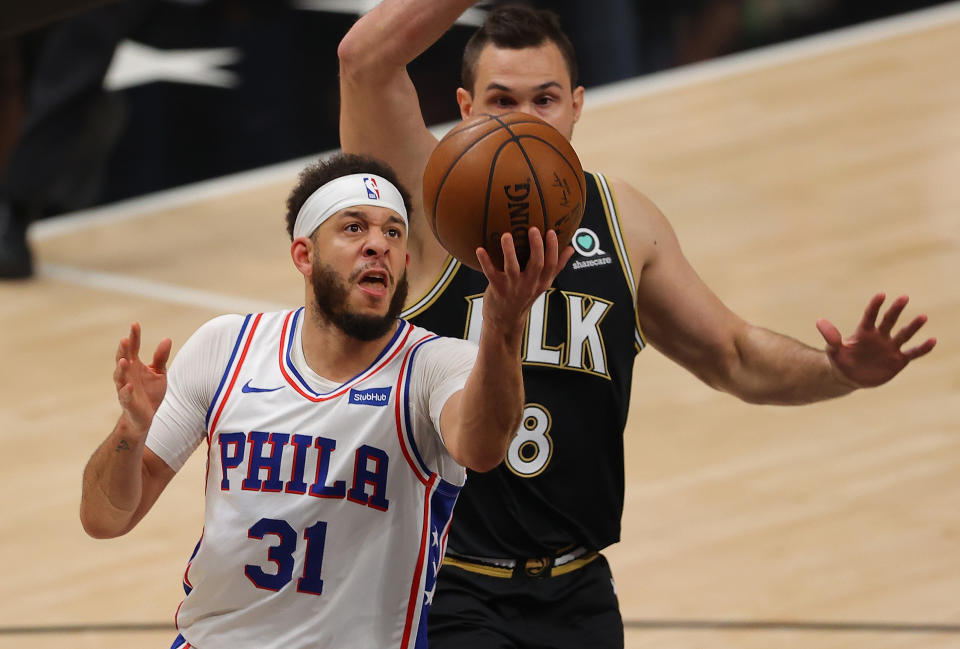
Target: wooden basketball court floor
800, 180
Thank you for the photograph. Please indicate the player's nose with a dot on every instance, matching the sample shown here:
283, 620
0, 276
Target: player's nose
376, 243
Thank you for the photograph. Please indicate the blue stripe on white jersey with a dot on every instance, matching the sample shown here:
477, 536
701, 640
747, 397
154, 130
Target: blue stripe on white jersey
186, 583
408, 426
290, 336
226, 371
438, 512
441, 514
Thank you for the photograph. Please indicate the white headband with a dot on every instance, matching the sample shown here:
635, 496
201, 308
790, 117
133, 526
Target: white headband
343, 192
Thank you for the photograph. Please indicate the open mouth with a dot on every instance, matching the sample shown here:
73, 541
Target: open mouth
374, 277
374, 280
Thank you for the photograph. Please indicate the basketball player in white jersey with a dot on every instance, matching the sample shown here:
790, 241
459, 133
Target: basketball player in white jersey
337, 435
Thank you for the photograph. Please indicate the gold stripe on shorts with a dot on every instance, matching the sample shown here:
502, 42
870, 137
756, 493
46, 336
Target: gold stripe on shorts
490, 571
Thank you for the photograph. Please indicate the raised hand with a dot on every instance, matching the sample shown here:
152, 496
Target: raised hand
511, 292
871, 356
140, 387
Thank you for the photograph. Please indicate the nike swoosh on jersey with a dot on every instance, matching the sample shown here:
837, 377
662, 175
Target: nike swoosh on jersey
247, 388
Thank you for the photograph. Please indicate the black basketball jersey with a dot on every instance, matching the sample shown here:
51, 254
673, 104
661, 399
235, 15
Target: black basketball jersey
562, 481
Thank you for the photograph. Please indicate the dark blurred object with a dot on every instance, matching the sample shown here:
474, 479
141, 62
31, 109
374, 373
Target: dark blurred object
15, 259
69, 123
687, 31
72, 145
605, 34
20, 16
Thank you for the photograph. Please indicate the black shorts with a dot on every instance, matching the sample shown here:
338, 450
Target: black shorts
575, 609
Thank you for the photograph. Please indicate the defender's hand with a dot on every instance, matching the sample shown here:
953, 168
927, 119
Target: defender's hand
871, 356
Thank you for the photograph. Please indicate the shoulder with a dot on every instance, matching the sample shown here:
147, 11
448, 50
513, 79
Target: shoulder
644, 225
435, 351
223, 324
634, 206
433, 340
222, 327
217, 336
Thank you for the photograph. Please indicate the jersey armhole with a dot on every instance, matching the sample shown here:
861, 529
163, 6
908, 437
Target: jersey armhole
405, 425
612, 215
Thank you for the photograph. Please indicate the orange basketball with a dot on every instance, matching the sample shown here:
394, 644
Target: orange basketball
502, 173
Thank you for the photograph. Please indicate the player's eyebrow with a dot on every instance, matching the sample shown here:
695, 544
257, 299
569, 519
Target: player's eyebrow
493, 85
397, 220
358, 213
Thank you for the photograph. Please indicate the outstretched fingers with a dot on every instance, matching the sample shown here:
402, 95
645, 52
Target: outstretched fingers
134, 350
120, 373
556, 259
908, 332
511, 265
892, 314
920, 350
486, 264
870, 314
544, 262
562, 260
161, 355
538, 255
126, 353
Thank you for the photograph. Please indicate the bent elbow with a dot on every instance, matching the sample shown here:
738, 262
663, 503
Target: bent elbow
486, 459
353, 56
97, 531
98, 528
484, 464
346, 52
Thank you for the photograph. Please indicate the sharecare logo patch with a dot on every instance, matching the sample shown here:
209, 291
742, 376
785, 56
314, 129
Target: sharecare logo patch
371, 397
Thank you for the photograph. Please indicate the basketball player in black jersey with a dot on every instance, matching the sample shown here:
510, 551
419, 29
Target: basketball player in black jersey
522, 567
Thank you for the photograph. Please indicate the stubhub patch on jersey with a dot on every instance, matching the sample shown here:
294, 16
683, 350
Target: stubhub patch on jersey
371, 397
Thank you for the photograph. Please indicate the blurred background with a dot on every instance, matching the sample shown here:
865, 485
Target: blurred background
105, 100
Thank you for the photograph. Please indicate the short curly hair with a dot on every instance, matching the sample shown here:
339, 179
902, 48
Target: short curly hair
340, 164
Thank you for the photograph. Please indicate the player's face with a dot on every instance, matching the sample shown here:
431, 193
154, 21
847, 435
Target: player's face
533, 80
359, 270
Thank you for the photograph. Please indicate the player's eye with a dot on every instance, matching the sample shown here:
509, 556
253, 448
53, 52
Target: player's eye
544, 100
394, 233
504, 101
353, 227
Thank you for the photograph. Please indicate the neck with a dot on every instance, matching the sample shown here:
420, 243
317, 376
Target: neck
333, 354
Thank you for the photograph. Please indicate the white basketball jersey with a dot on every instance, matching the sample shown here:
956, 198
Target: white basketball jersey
324, 526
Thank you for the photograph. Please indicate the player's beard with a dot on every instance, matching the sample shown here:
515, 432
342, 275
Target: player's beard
331, 293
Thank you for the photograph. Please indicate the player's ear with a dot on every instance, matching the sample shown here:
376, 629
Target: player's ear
465, 101
301, 251
577, 103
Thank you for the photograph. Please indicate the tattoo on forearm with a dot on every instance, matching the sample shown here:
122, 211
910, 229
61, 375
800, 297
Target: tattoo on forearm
123, 446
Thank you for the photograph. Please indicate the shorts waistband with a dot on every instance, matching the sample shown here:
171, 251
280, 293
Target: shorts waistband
554, 566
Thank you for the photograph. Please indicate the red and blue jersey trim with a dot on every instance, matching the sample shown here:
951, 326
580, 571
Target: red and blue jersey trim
232, 371
298, 383
402, 412
439, 500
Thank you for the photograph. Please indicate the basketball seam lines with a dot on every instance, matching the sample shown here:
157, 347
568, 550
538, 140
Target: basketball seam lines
533, 174
453, 164
513, 138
